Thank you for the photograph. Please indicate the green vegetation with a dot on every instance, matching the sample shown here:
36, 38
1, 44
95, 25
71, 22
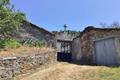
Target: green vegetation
9, 43
70, 32
73, 33
103, 73
13, 43
10, 19
31, 42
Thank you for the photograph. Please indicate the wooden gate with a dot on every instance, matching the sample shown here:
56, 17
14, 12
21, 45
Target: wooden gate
106, 52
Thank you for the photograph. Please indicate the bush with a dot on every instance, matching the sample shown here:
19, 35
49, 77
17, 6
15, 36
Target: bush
32, 42
9, 43
12, 43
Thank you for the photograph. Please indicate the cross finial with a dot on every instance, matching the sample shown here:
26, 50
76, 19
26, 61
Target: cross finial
65, 27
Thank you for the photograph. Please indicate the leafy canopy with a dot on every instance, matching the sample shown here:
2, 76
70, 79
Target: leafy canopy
10, 19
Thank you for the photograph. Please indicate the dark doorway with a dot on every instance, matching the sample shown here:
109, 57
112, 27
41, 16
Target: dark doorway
64, 56
64, 50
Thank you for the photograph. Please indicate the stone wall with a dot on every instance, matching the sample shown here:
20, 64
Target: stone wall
13, 66
86, 40
31, 31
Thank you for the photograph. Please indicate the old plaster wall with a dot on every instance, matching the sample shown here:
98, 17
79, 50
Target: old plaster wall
76, 49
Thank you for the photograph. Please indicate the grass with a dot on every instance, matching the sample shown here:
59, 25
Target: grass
24, 50
12, 47
9, 43
108, 73
32, 42
98, 73
66, 71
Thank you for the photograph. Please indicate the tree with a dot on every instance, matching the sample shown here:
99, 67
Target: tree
103, 25
115, 24
10, 19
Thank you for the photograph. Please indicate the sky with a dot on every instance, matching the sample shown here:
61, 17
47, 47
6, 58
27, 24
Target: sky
76, 14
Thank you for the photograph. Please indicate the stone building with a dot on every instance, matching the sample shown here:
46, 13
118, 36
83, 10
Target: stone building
97, 45
31, 31
64, 40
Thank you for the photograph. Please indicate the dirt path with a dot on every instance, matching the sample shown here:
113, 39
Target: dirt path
61, 71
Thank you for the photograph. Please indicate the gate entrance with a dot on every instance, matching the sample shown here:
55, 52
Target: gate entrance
64, 50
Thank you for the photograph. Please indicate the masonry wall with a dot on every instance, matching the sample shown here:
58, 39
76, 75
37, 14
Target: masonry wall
13, 66
31, 31
87, 42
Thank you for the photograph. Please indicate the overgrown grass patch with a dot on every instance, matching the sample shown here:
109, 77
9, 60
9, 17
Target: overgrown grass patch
9, 44
103, 73
13, 43
13, 47
33, 42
